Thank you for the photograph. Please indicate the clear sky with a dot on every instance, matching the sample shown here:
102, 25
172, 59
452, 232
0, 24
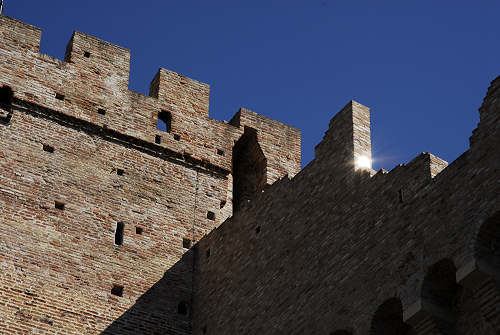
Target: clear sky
423, 67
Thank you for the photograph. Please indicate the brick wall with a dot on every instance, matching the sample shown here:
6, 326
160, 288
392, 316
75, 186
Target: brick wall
81, 157
335, 249
341, 249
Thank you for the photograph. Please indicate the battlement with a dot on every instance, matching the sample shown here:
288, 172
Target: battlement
91, 85
339, 247
125, 213
117, 185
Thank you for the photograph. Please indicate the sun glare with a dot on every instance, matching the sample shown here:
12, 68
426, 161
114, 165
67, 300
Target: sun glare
363, 162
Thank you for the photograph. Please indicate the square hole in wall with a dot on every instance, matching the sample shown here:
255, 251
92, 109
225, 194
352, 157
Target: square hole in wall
6, 95
210, 215
86, 54
59, 205
101, 111
182, 308
164, 121
139, 230
60, 96
177, 137
186, 243
220, 152
117, 290
48, 148
120, 172
157, 139
222, 204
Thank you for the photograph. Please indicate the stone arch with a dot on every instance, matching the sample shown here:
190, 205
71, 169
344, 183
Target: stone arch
487, 247
388, 319
249, 167
440, 293
486, 287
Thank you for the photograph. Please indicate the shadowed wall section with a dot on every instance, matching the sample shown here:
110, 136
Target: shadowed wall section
249, 168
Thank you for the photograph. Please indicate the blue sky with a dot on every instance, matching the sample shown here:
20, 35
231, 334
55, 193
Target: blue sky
423, 67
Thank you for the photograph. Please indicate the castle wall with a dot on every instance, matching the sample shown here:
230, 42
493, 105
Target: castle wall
335, 249
343, 250
80, 156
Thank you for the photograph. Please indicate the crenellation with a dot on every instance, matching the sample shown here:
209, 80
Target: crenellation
185, 98
382, 234
18, 36
124, 213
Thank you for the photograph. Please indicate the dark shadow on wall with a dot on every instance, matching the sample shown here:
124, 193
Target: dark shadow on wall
249, 167
6, 95
388, 319
487, 247
165, 308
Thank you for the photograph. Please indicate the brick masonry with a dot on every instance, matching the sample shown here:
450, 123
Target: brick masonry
336, 248
58, 266
341, 249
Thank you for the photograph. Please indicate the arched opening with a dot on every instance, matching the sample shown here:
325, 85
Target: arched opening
487, 247
440, 294
487, 254
388, 319
249, 167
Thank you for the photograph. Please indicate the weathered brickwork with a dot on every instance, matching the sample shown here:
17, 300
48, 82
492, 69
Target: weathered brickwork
73, 136
340, 249
112, 224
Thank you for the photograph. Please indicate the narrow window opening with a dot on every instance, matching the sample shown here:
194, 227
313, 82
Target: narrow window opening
6, 95
182, 308
400, 193
157, 139
208, 253
222, 204
120, 226
59, 205
86, 54
164, 122
257, 230
204, 330
48, 148
120, 172
186, 243
59, 96
220, 152
177, 137
211, 215
117, 290
139, 230
101, 111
